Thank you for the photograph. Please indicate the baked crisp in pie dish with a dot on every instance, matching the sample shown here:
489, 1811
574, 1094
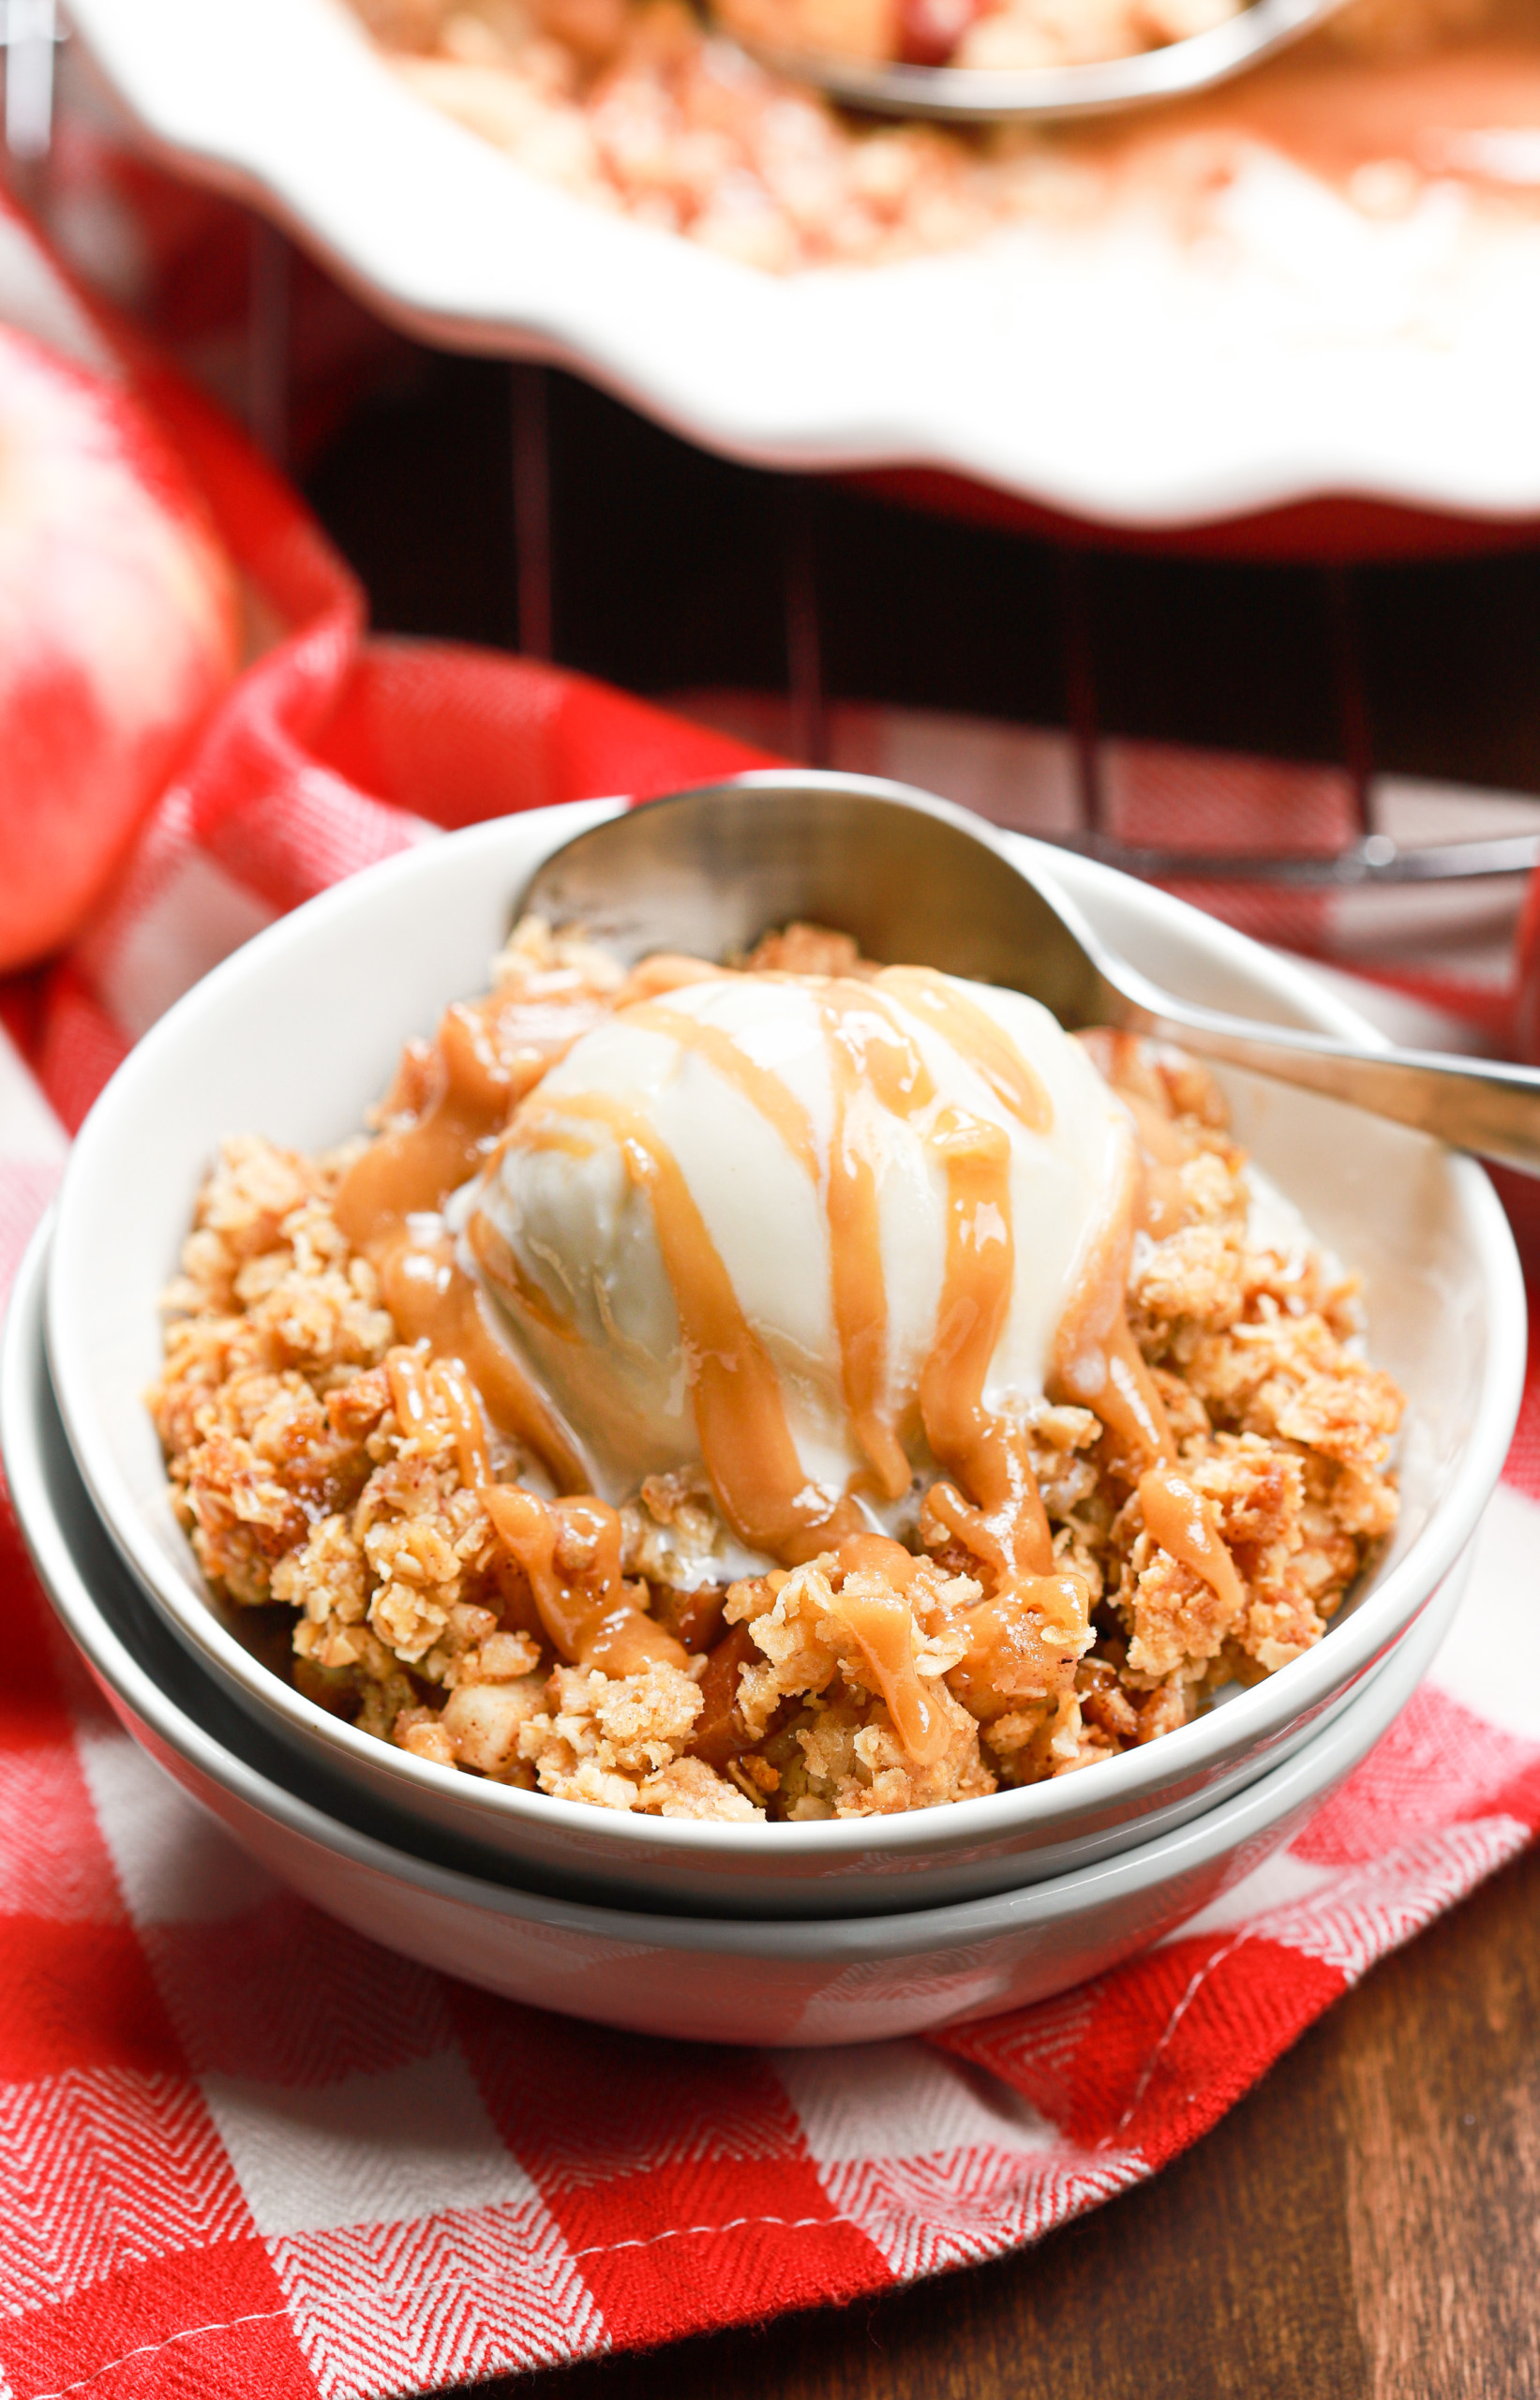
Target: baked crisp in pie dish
639, 107
796, 1390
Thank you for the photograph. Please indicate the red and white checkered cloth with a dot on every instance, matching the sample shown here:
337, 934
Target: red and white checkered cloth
245, 2149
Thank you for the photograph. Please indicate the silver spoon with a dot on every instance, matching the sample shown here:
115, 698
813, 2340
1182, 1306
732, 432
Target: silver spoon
980, 92
919, 882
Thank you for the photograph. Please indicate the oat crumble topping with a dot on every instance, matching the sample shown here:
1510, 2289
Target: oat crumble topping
316, 1475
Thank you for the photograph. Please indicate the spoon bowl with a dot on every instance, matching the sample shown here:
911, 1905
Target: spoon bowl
980, 95
917, 880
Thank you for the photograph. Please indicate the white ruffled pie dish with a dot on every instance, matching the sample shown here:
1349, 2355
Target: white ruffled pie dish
806, 1982
1118, 370
296, 1033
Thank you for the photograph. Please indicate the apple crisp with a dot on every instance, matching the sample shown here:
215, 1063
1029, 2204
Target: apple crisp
635, 107
359, 1456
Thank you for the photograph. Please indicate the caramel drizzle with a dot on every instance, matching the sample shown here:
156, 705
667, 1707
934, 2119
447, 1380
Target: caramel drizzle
1186, 1525
1165, 1152
740, 1418
983, 1454
976, 1036
408, 1173
1096, 1361
501, 1264
411, 1169
435, 1302
871, 1051
1165, 1149
420, 1392
458, 1395
758, 1085
1022, 1646
588, 1615
867, 1051
874, 1604
1031, 1624
858, 1292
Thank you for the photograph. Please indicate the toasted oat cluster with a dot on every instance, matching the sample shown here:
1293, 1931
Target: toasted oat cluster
320, 1465
632, 106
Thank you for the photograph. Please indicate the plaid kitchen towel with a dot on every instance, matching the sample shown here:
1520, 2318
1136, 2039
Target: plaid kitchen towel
243, 2149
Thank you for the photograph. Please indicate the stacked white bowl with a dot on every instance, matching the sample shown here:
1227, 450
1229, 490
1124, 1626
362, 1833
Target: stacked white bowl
847, 1931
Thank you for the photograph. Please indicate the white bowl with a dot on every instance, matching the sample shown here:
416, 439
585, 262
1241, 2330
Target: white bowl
1122, 373
819, 1981
298, 1031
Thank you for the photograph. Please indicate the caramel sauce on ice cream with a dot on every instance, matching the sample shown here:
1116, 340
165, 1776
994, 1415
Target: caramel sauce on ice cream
832, 1238
815, 1232
389, 1204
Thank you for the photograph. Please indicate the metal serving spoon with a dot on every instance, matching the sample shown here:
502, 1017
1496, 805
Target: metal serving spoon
917, 880
982, 93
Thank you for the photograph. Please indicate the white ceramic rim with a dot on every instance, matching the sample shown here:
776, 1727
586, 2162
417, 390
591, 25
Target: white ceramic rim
1351, 1645
1311, 1770
1013, 366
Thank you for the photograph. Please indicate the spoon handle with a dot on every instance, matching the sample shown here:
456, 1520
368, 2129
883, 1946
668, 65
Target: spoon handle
1479, 1105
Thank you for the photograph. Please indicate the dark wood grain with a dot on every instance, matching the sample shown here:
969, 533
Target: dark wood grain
1364, 2225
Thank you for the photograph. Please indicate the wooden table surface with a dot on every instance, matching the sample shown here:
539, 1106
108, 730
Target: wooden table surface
1364, 2225
1366, 2221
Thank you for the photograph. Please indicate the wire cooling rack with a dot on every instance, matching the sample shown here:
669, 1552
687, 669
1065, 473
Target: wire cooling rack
1371, 857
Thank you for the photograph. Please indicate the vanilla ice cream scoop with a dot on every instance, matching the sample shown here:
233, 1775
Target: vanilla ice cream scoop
820, 1234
